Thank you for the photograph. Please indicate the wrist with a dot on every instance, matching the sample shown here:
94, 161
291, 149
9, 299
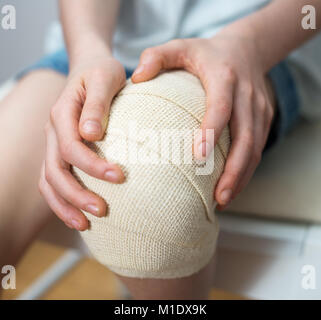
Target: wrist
242, 28
88, 48
257, 29
245, 31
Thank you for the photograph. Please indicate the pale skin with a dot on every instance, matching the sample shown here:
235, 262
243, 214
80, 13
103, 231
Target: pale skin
232, 67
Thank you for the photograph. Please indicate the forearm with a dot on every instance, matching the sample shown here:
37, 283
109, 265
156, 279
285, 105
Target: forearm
277, 29
88, 26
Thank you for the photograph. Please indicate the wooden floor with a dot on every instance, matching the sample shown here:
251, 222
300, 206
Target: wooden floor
87, 280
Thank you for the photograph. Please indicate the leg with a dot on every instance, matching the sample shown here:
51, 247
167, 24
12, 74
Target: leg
160, 229
196, 286
23, 114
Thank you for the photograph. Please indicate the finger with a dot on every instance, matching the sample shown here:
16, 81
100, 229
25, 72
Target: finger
242, 131
262, 123
101, 88
167, 56
219, 88
65, 184
80, 156
64, 117
72, 217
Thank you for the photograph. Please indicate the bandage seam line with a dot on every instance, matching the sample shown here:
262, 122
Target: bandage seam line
173, 102
207, 210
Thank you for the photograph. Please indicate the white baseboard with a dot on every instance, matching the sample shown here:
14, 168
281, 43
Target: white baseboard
263, 259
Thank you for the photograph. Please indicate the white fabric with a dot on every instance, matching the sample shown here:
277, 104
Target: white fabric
146, 23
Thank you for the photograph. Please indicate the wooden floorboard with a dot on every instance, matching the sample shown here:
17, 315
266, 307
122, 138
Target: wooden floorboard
87, 280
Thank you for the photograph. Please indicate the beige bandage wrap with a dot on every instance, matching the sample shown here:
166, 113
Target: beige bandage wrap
160, 221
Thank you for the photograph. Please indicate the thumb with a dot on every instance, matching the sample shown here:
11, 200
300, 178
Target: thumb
155, 59
100, 92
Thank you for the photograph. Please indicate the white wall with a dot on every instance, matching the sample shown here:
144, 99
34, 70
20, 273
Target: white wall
20, 47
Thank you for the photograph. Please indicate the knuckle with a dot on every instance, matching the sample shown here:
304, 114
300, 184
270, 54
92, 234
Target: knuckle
48, 175
248, 89
99, 74
228, 74
224, 107
61, 214
149, 52
234, 173
117, 65
79, 197
270, 113
74, 198
96, 107
261, 102
41, 186
180, 45
247, 139
93, 166
113, 74
118, 76
177, 42
53, 114
66, 150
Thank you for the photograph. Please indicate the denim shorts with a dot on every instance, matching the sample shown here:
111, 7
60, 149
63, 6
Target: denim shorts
288, 102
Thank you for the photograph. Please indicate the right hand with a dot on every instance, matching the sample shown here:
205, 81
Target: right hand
81, 112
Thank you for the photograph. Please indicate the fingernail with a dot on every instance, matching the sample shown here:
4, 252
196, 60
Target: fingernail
75, 223
92, 127
139, 70
226, 196
93, 209
112, 176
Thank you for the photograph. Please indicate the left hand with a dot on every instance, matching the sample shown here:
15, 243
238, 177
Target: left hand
238, 93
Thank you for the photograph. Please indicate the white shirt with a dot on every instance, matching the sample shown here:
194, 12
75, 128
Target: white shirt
146, 23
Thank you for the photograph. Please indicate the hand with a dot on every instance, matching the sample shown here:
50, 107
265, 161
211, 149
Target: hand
81, 112
238, 93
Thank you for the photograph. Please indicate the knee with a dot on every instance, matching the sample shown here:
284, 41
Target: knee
160, 222
157, 226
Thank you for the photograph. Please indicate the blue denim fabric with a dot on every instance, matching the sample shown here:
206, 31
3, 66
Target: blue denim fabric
288, 103
57, 61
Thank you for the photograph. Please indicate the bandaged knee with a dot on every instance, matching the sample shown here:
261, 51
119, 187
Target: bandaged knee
161, 221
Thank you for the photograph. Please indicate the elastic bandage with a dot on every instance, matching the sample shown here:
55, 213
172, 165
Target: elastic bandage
160, 221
